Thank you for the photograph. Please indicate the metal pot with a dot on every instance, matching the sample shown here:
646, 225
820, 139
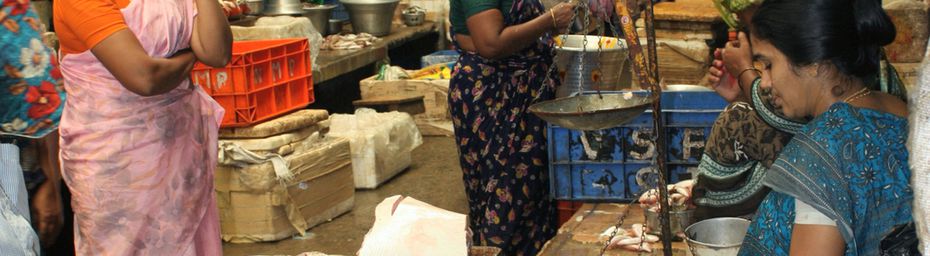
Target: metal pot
371, 16
256, 7
679, 220
319, 16
586, 67
283, 7
414, 16
335, 26
717, 236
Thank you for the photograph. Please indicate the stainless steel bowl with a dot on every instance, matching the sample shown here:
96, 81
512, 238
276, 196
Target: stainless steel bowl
256, 7
717, 236
371, 16
679, 220
319, 16
283, 7
590, 112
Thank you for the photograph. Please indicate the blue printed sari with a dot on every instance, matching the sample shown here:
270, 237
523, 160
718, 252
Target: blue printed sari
851, 165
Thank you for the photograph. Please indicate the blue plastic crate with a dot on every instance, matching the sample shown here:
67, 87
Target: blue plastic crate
443, 56
606, 169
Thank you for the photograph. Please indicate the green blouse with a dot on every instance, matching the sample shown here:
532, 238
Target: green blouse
460, 10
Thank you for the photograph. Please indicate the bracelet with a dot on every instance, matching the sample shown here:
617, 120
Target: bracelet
740, 75
552, 14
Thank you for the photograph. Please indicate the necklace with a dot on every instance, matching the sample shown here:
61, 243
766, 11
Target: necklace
858, 95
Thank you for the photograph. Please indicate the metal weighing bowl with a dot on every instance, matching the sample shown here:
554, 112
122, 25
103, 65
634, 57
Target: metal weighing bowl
717, 236
679, 220
319, 16
371, 16
590, 112
283, 7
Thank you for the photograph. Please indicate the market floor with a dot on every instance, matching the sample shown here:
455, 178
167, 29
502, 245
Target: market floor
433, 177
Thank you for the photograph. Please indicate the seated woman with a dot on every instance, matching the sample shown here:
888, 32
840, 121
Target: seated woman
750, 133
841, 183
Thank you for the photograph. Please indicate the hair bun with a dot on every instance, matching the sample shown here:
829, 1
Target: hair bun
872, 23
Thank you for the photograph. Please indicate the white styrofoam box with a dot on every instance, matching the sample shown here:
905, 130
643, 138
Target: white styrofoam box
381, 143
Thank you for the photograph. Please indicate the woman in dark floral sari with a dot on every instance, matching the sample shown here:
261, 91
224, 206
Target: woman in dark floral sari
506, 51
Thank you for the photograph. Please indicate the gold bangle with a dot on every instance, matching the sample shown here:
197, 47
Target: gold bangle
739, 81
552, 14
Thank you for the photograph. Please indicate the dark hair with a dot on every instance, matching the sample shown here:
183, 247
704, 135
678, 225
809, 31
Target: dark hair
847, 33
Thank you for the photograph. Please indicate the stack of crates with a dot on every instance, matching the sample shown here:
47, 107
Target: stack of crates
611, 165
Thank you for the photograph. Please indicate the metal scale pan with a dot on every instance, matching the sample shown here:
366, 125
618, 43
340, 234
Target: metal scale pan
592, 111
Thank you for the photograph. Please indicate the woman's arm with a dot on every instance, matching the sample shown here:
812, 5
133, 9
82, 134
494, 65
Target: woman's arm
123, 55
46, 202
212, 37
492, 40
816, 240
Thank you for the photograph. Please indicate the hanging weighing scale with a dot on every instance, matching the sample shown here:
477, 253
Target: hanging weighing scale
588, 112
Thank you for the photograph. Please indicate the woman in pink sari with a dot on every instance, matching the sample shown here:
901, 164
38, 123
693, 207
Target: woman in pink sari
138, 141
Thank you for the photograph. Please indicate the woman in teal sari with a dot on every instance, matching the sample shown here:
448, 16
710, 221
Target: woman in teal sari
841, 183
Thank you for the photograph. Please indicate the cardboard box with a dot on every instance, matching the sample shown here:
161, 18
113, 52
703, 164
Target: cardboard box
910, 21
435, 99
255, 206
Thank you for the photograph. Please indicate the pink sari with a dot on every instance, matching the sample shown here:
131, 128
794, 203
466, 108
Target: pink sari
140, 169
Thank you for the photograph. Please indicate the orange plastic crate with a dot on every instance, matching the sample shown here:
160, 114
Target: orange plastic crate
264, 79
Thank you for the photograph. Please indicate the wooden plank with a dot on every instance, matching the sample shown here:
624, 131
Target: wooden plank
579, 236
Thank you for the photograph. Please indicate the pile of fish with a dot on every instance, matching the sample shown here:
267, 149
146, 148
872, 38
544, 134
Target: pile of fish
679, 198
635, 239
349, 41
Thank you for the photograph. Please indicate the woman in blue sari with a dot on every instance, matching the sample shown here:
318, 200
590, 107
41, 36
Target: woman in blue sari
841, 183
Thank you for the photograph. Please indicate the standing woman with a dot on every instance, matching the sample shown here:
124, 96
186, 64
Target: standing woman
506, 51
138, 140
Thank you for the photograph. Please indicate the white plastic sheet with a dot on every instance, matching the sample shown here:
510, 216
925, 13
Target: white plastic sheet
406, 226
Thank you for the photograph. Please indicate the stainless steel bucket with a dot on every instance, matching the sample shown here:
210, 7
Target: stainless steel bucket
582, 68
717, 236
371, 16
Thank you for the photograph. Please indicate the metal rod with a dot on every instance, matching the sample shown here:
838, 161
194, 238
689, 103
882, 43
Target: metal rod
659, 122
648, 75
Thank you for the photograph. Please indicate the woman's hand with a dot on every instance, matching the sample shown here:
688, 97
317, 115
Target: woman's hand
561, 16
47, 212
737, 55
729, 63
